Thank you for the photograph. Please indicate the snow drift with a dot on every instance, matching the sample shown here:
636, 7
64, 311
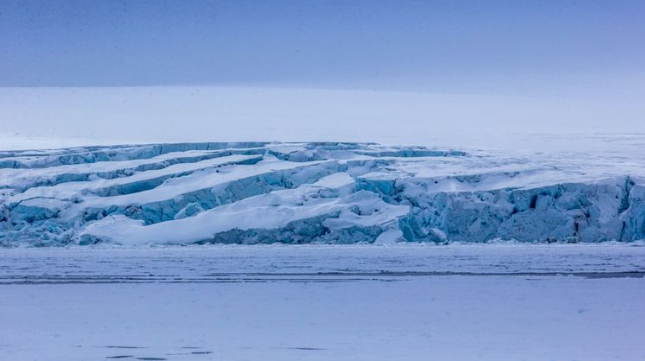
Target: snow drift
258, 192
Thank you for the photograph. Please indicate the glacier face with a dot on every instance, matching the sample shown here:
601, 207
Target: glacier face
260, 192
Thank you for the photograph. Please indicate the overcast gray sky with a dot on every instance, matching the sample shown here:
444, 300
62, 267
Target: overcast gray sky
456, 46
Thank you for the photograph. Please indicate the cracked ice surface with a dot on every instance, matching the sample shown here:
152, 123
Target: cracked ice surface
259, 192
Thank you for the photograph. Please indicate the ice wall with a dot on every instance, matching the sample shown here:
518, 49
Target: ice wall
314, 192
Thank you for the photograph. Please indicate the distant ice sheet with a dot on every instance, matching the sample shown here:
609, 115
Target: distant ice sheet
64, 117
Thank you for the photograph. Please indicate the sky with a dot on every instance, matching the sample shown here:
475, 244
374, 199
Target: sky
440, 67
453, 46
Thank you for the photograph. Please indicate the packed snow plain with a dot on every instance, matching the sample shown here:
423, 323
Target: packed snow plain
502, 301
320, 251
258, 192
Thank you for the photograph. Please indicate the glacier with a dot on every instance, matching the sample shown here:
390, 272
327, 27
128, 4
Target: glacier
320, 192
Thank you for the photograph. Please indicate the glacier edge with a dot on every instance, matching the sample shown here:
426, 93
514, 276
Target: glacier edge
265, 192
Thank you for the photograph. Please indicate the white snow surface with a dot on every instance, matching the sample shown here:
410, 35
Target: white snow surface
500, 301
69, 117
329, 192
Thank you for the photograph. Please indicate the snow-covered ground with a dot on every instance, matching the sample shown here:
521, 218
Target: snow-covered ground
63, 117
322, 302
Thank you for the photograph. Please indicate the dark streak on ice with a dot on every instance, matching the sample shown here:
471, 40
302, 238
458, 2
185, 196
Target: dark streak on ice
300, 277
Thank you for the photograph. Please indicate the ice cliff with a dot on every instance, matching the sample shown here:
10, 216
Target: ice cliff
259, 192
